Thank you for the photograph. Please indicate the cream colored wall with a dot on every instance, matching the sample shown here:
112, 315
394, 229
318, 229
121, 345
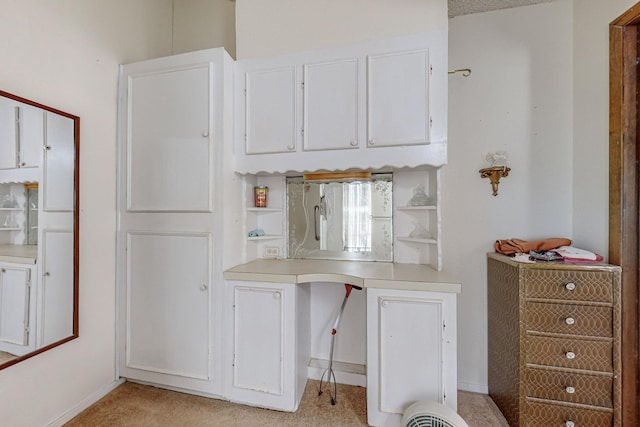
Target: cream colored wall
518, 99
203, 24
281, 26
65, 54
591, 120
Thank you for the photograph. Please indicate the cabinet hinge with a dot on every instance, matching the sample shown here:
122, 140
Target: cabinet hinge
233, 362
245, 93
430, 70
302, 85
444, 325
302, 132
26, 330
29, 284
430, 121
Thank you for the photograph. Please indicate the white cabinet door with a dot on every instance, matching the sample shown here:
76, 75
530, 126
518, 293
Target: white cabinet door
8, 146
265, 364
170, 143
56, 287
331, 105
168, 308
411, 352
58, 164
271, 110
31, 136
398, 98
15, 286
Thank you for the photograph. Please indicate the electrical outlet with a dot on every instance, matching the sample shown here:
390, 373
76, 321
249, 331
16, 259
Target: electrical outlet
271, 252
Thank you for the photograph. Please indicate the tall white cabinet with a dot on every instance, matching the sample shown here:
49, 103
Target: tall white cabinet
170, 195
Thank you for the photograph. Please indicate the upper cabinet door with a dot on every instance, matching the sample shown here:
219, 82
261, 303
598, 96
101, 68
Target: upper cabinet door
331, 105
31, 136
8, 146
59, 168
398, 98
169, 147
271, 125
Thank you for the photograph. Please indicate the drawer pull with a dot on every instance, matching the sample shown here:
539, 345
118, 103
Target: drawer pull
569, 424
570, 355
569, 320
570, 390
570, 286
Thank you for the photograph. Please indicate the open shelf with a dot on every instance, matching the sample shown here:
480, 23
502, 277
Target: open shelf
266, 237
10, 229
417, 208
265, 210
414, 240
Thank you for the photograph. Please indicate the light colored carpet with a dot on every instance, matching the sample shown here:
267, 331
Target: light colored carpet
143, 406
5, 357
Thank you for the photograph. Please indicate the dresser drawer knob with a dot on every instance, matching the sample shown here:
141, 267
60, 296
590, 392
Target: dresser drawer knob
569, 320
570, 390
570, 355
569, 424
570, 286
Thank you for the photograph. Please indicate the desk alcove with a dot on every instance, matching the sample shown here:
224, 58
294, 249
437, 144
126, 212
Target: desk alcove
410, 333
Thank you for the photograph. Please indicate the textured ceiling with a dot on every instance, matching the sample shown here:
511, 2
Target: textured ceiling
465, 7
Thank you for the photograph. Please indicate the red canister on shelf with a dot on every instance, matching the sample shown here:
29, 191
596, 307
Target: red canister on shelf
261, 196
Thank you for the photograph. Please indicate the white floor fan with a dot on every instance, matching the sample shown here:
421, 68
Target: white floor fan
431, 414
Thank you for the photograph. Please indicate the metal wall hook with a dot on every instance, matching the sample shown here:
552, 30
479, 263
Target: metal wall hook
466, 72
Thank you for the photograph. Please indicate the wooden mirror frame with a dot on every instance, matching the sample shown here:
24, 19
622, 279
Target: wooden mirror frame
624, 151
76, 226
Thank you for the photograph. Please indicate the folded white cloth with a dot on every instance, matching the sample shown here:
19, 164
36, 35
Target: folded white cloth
575, 253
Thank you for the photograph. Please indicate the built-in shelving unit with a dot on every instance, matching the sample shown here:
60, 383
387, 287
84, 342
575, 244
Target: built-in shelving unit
271, 219
12, 218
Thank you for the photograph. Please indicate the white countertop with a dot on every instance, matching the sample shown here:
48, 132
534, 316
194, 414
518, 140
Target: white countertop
21, 254
419, 277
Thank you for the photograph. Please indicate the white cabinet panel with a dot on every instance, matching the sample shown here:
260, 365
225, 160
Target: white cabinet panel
169, 143
31, 136
58, 164
258, 344
7, 134
168, 307
331, 105
271, 110
14, 305
269, 343
56, 310
398, 96
411, 352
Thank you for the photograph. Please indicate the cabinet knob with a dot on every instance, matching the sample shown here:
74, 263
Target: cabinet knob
570, 390
205, 134
569, 424
570, 355
384, 303
203, 287
276, 295
23, 164
3, 270
291, 147
569, 320
570, 286
46, 147
371, 142
353, 143
47, 274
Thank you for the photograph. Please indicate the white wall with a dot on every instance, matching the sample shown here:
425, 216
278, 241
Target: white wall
65, 54
591, 121
517, 99
282, 26
203, 24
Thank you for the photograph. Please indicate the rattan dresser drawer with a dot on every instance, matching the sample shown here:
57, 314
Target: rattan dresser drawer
571, 319
570, 285
595, 390
583, 354
537, 414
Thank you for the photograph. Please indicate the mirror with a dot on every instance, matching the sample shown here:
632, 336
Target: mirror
341, 218
39, 148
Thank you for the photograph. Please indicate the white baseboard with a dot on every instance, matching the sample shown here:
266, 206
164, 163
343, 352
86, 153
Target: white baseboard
84, 404
346, 373
474, 388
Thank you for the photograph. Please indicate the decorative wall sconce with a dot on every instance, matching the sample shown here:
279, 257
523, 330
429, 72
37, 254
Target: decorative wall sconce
497, 170
494, 174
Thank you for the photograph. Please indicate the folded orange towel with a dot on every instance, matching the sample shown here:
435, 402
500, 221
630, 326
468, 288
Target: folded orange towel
512, 246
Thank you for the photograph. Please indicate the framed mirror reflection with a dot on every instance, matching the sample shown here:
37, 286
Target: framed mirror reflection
39, 147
